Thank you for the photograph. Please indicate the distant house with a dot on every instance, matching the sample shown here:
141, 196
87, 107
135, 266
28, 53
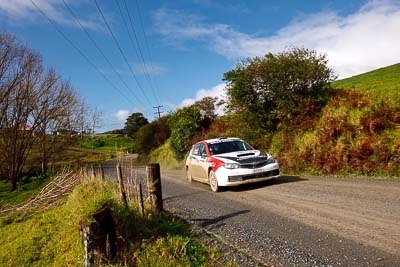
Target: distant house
26, 129
63, 132
21, 129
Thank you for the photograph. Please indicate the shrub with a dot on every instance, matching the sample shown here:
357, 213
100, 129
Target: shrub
184, 124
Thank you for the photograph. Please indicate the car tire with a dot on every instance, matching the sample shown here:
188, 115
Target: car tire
213, 181
188, 175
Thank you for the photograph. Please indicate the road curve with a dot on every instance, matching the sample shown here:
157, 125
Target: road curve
297, 221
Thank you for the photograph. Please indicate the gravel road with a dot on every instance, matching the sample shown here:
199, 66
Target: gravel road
296, 221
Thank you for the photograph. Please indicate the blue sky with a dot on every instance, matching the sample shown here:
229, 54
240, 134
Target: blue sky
187, 45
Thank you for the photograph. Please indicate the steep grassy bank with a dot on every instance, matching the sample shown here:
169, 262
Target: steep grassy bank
52, 238
358, 132
165, 157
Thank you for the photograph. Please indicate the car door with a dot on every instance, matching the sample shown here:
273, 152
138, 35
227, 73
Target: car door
202, 163
194, 162
197, 160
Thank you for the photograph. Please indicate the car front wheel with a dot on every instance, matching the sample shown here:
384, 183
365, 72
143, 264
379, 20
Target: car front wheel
213, 181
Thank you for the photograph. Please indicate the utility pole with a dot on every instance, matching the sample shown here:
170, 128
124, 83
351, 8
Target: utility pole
158, 110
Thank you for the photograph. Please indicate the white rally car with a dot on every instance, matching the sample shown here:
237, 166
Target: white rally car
227, 162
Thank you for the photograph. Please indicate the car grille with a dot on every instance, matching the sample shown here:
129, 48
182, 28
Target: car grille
254, 165
237, 178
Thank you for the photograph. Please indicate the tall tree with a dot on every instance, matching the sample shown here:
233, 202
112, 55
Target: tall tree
96, 119
54, 110
279, 87
207, 106
19, 86
31, 102
134, 122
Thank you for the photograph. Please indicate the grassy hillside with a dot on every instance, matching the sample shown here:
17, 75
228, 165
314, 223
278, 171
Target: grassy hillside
358, 132
382, 83
164, 155
106, 143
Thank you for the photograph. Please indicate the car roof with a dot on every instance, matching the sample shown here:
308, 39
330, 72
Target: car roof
220, 140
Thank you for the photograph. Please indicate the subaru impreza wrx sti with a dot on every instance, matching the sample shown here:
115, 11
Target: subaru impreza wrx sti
228, 162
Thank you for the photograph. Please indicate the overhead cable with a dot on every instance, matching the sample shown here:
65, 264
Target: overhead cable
59, 30
140, 54
101, 52
121, 52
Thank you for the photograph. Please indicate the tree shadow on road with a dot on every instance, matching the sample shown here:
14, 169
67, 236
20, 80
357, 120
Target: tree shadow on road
211, 221
277, 181
168, 199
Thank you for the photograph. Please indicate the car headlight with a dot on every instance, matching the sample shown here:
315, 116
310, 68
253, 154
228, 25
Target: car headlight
231, 166
271, 160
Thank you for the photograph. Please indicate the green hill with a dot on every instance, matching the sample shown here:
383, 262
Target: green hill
380, 82
358, 132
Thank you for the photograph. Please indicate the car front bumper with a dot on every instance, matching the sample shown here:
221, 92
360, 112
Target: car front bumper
231, 177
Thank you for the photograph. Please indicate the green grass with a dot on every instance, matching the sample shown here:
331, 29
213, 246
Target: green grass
27, 188
342, 141
52, 238
380, 83
78, 158
165, 157
106, 143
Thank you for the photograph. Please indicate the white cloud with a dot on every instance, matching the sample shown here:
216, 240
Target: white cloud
356, 43
21, 11
150, 68
121, 115
216, 91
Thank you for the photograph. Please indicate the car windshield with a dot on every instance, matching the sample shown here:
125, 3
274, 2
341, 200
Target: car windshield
228, 146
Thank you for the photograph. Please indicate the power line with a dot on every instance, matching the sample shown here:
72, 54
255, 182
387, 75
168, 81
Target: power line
77, 49
101, 51
138, 46
146, 43
120, 50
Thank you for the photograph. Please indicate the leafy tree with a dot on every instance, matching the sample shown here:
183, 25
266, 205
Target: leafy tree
152, 135
207, 106
279, 87
184, 124
134, 122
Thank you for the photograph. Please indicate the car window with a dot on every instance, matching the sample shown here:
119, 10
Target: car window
196, 149
202, 150
228, 146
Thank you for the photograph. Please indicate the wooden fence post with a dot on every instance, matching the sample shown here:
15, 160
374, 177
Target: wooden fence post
101, 171
154, 186
92, 173
88, 242
121, 184
140, 198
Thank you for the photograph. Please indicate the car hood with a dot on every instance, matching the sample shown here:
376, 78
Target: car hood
244, 157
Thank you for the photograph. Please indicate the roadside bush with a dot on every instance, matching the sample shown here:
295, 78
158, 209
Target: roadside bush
184, 124
278, 88
151, 136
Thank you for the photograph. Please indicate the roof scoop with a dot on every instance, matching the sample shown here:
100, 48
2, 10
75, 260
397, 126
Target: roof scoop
246, 154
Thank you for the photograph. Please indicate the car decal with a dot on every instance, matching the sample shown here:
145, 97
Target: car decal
215, 163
